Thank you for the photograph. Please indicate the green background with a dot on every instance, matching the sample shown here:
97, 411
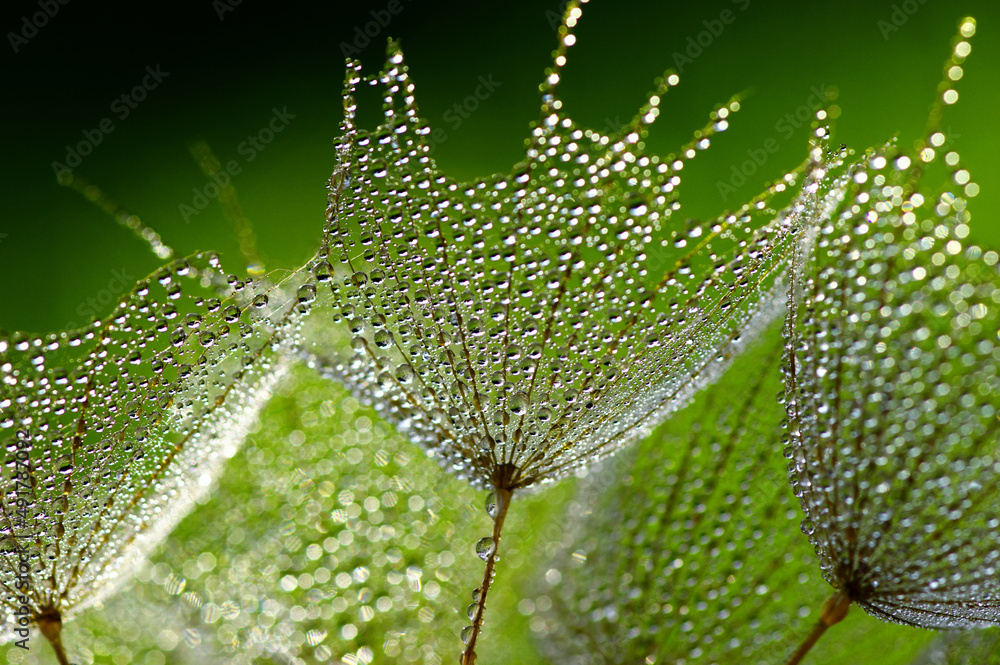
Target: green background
225, 76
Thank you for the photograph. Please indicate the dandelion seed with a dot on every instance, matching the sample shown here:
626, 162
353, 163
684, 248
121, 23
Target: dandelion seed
114, 431
517, 327
891, 445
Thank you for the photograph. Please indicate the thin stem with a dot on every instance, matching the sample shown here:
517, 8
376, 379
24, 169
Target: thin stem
132, 222
503, 497
807, 643
50, 624
231, 207
834, 610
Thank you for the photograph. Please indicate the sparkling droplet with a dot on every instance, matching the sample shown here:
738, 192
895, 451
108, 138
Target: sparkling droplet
485, 548
491, 505
306, 294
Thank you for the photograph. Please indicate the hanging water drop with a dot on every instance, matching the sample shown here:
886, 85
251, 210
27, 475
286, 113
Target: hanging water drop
485, 548
491, 505
306, 294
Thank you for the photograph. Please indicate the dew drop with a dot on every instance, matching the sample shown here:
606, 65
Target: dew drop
519, 403
404, 373
306, 294
491, 505
485, 548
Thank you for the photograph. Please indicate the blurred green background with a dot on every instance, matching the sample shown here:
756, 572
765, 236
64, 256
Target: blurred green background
229, 66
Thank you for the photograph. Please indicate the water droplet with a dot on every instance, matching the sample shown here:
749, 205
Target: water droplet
404, 373
306, 294
491, 505
485, 548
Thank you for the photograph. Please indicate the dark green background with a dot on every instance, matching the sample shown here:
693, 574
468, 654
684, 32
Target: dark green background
226, 76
